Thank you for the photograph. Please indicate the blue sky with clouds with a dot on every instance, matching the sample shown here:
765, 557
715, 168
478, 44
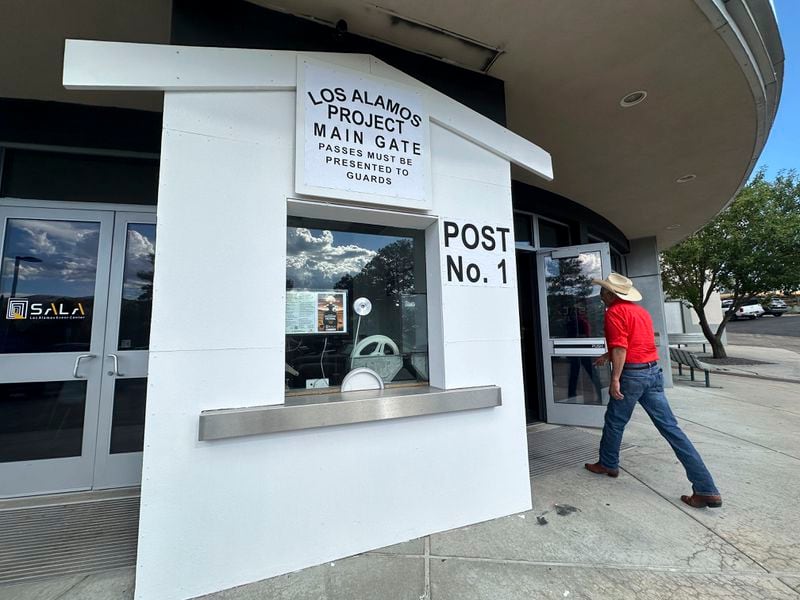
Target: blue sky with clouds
783, 145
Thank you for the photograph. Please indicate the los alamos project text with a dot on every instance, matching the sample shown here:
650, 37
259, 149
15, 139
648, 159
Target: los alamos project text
347, 124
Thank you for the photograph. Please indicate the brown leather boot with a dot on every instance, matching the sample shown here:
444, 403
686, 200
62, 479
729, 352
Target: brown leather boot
601, 470
701, 501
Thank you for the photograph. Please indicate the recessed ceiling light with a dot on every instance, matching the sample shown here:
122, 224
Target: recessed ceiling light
671, 227
633, 99
685, 178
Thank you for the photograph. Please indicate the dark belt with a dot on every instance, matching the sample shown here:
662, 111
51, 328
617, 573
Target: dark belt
647, 365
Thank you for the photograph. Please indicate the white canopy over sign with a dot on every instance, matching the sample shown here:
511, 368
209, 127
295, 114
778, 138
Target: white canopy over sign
95, 65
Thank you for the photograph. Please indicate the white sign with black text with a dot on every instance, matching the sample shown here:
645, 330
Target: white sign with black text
363, 138
476, 254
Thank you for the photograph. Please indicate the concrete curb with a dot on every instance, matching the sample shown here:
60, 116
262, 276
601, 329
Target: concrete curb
755, 376
719, 371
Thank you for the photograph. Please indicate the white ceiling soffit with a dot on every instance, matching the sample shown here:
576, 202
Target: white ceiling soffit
32, 35
396, 28
565, 66
93, 65
712, 70
435, 41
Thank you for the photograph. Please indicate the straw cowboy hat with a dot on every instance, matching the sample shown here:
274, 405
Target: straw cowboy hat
620, 286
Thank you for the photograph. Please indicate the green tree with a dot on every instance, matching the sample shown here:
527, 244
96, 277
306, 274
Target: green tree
751, 248
571, 307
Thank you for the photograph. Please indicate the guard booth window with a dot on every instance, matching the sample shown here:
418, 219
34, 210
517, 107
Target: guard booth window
330, 265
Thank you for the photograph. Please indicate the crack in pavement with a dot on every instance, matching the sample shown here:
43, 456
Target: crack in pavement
72, 587
678, 508
795, 587
671, 569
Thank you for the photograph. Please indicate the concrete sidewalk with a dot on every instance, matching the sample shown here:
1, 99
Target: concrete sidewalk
629, 538
781, 363
773, 362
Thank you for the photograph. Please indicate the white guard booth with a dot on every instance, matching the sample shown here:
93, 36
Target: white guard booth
237, 485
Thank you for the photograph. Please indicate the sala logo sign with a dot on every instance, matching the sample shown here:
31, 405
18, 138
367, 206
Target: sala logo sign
21, 308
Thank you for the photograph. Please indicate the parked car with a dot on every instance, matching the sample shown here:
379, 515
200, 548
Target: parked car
751, 309
775, 307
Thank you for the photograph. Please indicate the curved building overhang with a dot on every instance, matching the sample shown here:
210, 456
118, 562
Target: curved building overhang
712, 70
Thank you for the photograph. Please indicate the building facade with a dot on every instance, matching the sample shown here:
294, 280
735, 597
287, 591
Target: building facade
232, 215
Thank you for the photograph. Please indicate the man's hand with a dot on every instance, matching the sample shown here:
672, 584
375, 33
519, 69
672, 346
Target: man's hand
614, 391
618, 355
601, 360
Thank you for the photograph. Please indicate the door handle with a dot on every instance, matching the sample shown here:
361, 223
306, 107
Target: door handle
115, 372
78, 364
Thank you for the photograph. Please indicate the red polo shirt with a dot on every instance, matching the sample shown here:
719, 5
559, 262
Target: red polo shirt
629, 326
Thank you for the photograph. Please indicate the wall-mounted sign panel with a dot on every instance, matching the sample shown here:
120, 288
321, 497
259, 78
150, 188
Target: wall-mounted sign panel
316, 312
360, 138
476, 253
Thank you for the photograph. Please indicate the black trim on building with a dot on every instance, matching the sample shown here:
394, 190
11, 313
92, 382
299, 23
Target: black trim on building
240, 24
72, 177
582, 221
42, 123
78, 153
531, 337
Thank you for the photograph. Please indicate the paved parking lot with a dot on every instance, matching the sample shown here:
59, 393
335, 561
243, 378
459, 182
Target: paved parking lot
768, 331
786, 325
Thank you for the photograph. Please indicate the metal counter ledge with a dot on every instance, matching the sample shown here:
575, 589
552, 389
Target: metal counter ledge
307, 412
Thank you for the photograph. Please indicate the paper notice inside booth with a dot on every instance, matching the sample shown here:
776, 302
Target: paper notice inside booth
316, 311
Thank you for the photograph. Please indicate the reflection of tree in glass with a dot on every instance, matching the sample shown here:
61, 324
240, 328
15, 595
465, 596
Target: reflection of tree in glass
345, 283
392, 268
573, 312
384, 279
146, 280
137, 304
570, 280
389, 273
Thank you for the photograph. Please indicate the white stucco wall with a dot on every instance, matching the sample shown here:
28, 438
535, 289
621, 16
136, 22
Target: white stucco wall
682, 318
673, 314
219, 514
713, 310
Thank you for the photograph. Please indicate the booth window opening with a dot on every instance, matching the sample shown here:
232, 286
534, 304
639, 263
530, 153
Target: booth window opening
330, 265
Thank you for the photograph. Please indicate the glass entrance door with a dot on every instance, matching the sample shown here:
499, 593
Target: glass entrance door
120, 434
75, 296
54, 288
572, 314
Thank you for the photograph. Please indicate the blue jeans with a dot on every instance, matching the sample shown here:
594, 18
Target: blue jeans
646, 386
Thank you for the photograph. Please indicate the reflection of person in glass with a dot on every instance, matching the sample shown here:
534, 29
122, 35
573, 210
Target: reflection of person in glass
577, 326
636, 377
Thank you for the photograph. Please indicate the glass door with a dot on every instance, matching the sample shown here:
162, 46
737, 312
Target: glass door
572, 314
122, 407
53, 297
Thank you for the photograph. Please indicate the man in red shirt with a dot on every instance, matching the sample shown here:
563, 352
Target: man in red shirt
636, 377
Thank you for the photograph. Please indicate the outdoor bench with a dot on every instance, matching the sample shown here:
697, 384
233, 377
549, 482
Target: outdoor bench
684, 339
685, 358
